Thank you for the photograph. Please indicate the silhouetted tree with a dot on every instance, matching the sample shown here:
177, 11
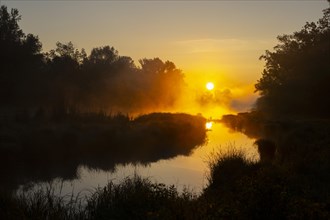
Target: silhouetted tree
10, 30
66, 79
295, 81
165, 80
103, 55
20, 59
65, 54
63, 76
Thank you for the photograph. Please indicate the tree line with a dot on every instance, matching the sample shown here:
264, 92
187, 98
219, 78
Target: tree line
295, 80
68, 78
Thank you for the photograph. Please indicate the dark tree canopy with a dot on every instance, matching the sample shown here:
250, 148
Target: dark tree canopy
103, 55
12, 38
20, 57
10, 30
67, 78
67, 51
295, 81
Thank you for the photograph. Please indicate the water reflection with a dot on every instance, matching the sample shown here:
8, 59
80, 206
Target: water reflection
45, 152
182, 171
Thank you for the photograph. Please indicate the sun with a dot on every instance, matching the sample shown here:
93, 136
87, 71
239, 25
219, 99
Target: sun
210, 86
208, 125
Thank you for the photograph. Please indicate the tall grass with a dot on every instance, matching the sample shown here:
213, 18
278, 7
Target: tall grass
134, 198
138, 198
41, 203
226, 165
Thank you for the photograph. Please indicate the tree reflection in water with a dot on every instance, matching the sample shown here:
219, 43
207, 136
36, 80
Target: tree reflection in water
43, 151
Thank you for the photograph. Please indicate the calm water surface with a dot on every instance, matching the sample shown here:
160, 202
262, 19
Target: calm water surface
182, 171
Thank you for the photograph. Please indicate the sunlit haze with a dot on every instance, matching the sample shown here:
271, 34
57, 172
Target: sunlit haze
218, 41
209, 85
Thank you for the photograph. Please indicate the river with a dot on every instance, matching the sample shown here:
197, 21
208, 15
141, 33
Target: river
181, 171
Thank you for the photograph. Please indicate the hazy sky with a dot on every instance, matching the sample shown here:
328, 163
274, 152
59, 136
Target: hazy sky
218, 41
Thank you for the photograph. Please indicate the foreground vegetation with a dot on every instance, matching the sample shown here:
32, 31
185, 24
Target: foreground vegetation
134, 198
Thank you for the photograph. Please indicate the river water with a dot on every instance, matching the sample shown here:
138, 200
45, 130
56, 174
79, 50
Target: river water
182, 171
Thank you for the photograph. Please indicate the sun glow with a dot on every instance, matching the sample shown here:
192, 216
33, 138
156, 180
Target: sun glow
208, 125
210, 86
